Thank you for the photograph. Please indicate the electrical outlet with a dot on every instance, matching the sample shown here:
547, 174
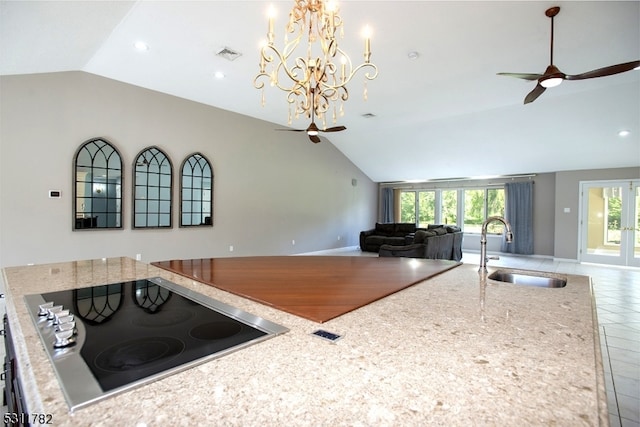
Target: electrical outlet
230, 248
138, 257
339, 237
293, 242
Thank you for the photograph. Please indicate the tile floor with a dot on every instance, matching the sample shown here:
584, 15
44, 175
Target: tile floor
617, 291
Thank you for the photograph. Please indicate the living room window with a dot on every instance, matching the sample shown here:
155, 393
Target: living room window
467, 208
424, 207
421, 202
479, 204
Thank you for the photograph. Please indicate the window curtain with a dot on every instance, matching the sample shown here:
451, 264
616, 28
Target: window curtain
387, 205
518, 210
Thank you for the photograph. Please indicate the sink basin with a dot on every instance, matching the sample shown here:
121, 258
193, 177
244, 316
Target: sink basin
528, 279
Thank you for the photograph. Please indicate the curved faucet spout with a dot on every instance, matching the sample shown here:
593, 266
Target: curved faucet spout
483, 238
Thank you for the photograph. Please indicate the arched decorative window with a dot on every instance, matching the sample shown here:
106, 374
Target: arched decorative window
97, 198
196, 204
152, 189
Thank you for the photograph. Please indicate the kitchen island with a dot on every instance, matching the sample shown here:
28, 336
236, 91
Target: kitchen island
451, 350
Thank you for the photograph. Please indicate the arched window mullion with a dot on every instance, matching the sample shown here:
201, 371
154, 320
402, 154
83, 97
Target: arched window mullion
196, 202
97, 203
152, 204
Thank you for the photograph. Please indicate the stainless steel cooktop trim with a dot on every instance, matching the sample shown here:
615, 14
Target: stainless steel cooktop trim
80, 387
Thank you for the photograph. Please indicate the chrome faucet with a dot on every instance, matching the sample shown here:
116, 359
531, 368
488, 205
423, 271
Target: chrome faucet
483, 239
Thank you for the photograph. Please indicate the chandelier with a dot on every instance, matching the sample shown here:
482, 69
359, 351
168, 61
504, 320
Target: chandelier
314, 75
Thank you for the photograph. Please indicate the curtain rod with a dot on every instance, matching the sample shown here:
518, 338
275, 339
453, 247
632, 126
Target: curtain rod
455, 180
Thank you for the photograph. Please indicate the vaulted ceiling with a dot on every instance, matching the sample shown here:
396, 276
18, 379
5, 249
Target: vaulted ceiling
445, 114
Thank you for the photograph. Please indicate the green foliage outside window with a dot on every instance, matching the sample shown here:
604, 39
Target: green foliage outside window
408, 206
449, 206
479, 203
427, 205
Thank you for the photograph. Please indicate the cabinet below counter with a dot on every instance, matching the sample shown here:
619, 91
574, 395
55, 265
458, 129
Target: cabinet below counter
451, 350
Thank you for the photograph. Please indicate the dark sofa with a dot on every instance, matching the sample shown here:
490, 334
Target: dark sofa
397, 234
437, 241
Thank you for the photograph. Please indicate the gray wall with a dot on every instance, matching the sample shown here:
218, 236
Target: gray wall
568, 196
270, 187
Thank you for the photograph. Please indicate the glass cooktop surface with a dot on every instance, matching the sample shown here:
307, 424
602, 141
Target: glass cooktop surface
106, 339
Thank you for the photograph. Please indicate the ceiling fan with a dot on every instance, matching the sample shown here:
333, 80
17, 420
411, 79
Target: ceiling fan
313, 130
553, 76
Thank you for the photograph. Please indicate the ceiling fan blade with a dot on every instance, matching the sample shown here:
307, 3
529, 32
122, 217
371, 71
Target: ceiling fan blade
292, 130
314, 138
524, 76
606, 71
334, 129
534, 94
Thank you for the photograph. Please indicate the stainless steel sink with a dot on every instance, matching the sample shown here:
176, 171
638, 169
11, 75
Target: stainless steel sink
528, 279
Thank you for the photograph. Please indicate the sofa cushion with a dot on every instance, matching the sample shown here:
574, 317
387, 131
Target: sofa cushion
395, 241
375, 240
405, 228
422, 235
385, 229
453, 229
409, 251
440, 231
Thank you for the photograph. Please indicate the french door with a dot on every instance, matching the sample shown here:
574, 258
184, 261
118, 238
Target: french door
610, 222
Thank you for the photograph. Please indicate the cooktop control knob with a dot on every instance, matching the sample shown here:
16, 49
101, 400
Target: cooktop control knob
67, 326
58, 315
43, 309
64, 339
53, 310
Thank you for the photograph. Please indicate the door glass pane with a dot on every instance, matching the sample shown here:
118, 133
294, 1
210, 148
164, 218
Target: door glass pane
408, 206
603, 216
636, 225
427, 208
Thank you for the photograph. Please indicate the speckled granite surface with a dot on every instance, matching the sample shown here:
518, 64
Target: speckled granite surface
449, 351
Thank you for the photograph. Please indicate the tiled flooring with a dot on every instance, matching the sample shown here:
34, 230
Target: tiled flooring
617, 291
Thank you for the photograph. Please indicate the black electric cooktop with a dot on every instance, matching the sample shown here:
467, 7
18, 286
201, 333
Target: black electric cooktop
110, 338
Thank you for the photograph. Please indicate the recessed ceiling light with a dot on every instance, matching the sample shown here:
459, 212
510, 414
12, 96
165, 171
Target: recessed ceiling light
218, 75
141, 46
624, 133
413, 55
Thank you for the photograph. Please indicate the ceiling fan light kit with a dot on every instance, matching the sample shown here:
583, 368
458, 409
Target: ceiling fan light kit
552, 76
314, 74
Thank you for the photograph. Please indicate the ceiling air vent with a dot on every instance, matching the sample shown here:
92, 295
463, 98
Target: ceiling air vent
368, 115
228, 54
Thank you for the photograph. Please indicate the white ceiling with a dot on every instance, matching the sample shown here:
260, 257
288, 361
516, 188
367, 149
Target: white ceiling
444, 115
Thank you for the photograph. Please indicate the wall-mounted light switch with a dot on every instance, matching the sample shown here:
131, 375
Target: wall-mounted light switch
567, 210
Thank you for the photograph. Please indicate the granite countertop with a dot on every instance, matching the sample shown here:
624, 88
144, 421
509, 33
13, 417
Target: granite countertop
452, 350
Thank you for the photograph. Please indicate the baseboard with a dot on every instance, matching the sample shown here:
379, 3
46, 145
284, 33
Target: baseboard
474, 251
334, 250
575, 261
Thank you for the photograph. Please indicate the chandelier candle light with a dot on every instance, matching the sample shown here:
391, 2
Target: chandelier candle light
309, 73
